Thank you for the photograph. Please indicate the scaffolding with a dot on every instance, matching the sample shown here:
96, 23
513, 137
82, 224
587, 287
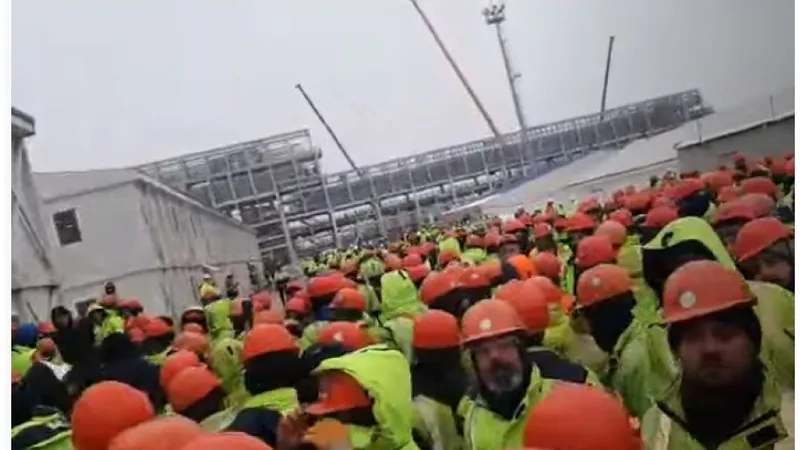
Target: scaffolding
278, 179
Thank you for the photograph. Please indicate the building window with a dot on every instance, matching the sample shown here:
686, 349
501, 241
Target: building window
66, 223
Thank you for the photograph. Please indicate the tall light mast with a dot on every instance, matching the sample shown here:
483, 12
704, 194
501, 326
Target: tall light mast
495, 15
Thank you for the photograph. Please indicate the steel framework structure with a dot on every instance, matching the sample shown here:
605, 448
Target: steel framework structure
278, 180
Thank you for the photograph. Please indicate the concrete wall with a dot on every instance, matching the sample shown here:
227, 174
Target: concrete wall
153, 244
34, 278
773, 138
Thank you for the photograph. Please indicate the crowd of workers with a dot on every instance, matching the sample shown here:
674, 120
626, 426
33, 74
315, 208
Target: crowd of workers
660, 318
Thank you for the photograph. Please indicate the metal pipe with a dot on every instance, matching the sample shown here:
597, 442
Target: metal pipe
376, 205
328, 128
608, 71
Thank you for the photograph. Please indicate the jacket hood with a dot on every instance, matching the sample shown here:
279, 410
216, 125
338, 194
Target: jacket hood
225, 361
660, 256
450, 245
399, 296
60, 311
385, 375
690, 229
370, 268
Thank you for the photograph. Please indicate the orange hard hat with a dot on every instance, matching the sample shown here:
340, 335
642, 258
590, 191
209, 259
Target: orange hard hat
267, 338
513, 226
580, 417
419, 272
447, 256
131, 304
760, 185
46, 328
717, 179
350, 335
622, 216
492, 239
474, 241
547, 264
687, 187
688, 294
136, 335
349, 267
297, 305
412, 260
108, 301
542, 230
45, 346
601, 283
523, 266
215, 441
268, 317
193, 328
529, 302
594, 250
338, 392
262, 299
734, 210
174, 364
161, 433
436, 330
589, 205
614, 231
551, 292
141, 321
638, 202
487, 319
662, 200
762, 204
157, 328
660, 216
727, 193
351, 299
392, 262
580, 222
472, 278
193, 342
758, 235
189, 386
106, 409
437, 285
325, 285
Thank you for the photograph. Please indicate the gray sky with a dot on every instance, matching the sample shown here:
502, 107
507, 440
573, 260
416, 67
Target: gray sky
114, 83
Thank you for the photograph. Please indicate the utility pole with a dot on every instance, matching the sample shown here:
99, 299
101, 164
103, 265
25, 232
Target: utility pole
495, 16
464, 82
608, 71
376, 205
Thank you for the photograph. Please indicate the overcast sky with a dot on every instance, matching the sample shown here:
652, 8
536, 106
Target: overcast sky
123, 82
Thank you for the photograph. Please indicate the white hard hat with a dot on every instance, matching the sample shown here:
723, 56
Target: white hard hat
206, 276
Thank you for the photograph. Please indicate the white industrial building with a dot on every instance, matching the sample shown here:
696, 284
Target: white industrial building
153, 242
759, 127
34, 276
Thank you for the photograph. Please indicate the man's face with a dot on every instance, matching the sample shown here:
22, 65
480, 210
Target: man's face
715, 354
509, 249
775, 266
499, 364
61, 320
